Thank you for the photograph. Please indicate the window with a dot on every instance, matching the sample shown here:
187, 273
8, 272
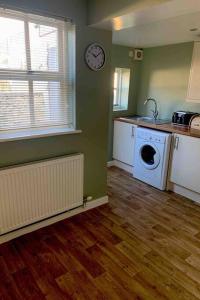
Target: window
121, 89
36, 72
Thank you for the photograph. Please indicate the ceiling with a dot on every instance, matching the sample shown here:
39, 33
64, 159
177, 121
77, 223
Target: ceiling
162, 24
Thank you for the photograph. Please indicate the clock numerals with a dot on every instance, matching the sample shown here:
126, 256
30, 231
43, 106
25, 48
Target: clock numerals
95, 57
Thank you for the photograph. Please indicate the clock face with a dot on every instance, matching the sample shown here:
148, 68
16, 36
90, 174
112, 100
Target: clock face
95, 57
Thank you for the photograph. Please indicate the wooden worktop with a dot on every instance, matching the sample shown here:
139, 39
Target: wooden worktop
169, 127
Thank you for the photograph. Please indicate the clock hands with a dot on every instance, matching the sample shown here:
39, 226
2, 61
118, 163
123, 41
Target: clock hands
96, 55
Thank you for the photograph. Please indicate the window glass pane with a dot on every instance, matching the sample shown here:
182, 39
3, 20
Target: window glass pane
121, 88
49, 103
14, 104
125, 87
12, 44
115, 80
44, 47
115, 97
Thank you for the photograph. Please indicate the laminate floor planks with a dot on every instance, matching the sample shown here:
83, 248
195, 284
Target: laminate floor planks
143, 245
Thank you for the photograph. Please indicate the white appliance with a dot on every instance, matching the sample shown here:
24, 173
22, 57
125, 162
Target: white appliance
151, 156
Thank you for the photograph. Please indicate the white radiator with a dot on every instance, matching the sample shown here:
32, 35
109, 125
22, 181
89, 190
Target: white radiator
32, 192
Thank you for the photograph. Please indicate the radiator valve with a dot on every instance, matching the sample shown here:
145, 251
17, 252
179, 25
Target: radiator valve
86, 199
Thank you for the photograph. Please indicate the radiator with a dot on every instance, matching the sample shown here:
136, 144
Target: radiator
33, 192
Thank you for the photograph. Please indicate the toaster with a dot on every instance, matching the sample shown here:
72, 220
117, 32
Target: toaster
182, 117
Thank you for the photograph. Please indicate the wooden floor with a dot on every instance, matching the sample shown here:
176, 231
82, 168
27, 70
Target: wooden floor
144, 245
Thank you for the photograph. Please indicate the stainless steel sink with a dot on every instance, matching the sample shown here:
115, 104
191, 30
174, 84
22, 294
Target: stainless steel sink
153, 121
149, 120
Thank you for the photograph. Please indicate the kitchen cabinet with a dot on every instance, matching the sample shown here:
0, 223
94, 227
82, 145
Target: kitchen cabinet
193, 94
185, 164
123, 142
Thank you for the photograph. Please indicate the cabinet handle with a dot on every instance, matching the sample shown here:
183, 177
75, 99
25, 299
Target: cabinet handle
176, 142
132, 134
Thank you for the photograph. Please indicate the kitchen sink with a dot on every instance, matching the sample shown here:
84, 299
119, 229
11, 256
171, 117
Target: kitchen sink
148, 120
153, 121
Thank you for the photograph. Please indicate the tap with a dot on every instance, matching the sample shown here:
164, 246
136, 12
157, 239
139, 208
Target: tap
155, 111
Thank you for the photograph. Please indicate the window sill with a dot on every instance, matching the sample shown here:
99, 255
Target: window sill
120, 108
35, 133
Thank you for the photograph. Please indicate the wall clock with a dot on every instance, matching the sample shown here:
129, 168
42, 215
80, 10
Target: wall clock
95, 57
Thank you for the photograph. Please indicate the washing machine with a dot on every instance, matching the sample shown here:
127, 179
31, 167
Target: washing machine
151, 156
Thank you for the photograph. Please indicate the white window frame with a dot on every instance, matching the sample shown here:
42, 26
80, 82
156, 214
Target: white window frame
121, 104
30, 76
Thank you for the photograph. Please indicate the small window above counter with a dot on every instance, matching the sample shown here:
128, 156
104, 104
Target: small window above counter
121, 89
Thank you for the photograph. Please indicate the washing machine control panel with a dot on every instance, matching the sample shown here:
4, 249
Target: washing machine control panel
150, 137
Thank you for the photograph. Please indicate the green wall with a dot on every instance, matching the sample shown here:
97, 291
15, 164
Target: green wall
164, 76
92, 104
120, 58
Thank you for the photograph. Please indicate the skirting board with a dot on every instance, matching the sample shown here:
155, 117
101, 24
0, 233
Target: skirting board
184, 192
120, 165
110, 163
14, 234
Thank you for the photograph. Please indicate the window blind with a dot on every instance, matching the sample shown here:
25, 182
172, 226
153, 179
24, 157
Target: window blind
121, 88
37, 88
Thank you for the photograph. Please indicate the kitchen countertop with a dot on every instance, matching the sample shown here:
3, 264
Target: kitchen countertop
168, 127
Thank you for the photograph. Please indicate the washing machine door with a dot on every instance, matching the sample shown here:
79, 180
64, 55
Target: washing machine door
149, 156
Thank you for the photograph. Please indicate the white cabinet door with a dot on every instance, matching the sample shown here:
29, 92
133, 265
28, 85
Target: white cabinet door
123, 142
185, 165
194, 80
